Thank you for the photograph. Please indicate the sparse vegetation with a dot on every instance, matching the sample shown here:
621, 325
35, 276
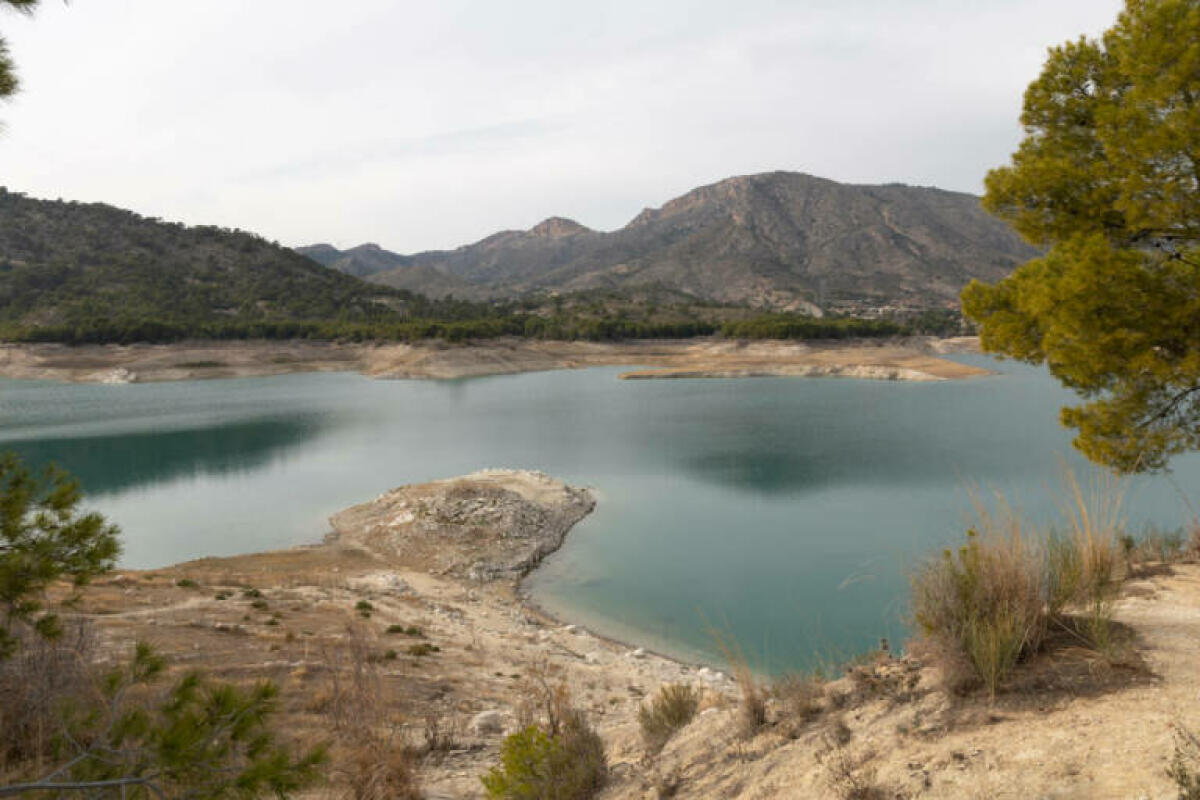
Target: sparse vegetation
423, 649
187, 583
406, 630
851, 776
568, 764
364, 608
670, 709
381, 769
800, 699
990, 604
1185, 764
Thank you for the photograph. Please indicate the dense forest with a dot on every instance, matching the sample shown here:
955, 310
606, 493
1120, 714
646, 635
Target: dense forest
90, 273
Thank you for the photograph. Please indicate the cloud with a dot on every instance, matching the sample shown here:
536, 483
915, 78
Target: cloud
423, 125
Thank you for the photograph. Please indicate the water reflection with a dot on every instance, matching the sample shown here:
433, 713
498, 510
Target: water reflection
110, 464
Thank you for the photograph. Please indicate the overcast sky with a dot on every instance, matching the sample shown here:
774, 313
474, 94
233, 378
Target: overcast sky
423, 125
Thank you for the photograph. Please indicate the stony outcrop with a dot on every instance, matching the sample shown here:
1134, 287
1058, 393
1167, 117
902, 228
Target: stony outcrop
490, 525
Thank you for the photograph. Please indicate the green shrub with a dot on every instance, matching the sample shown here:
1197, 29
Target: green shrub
535, 765
423, 649
186, 583
260, 604
251, 592
411, 630
671, 709
364, 608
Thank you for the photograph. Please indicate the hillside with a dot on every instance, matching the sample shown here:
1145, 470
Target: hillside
94, 272
778, 239
395, 270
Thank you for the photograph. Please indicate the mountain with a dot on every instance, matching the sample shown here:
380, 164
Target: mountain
778, 239
372, 262
85, 268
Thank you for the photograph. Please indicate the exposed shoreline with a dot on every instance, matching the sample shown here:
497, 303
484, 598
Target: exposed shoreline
446, 556
911, 359
444, 559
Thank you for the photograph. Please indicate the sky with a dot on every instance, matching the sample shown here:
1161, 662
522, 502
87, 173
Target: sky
425, 125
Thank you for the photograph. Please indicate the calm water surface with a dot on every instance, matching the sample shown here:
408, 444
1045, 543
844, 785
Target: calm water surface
782, 512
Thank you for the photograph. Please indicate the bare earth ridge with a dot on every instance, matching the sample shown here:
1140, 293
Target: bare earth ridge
908, 359
445, 557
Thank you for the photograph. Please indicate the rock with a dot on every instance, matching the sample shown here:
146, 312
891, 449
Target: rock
570, 628
638, 653
487, 723
117, 375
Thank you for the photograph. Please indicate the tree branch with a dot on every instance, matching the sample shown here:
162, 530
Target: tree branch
78, 786
1170, 407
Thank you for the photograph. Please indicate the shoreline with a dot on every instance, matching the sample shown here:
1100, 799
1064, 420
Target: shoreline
437, 644
912, 359
426, 580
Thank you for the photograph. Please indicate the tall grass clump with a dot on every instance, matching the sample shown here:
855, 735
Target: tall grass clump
671, 709
990, 605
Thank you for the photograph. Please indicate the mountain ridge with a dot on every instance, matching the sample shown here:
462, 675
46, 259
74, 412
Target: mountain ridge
775, 239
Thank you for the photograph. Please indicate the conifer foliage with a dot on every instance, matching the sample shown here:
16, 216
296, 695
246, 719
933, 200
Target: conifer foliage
1107, 180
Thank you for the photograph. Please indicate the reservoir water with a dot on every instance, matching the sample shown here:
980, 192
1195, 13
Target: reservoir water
784, 514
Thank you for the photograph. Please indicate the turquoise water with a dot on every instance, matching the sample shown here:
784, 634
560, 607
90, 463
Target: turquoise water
782, 513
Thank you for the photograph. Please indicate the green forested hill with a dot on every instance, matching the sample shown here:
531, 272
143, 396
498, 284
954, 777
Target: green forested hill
92, 272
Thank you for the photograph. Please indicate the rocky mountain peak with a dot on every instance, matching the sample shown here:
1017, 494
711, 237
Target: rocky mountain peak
557, 227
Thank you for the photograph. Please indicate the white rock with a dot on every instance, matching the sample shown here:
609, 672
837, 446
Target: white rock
638, 653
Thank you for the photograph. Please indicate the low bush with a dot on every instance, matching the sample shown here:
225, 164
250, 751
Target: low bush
1184, 769
800, 699
381, 770
990, 605
534, 764
671, 709
410, 630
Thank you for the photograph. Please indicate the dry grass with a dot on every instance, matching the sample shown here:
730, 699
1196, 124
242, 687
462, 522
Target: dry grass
380, 769
851, 776
752, 704
351, 698
1184, 770
989, 606
671, 709
800, 699
34, 684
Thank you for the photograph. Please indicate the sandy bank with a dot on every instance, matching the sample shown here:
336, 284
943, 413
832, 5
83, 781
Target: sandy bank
442, 558
911, 359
